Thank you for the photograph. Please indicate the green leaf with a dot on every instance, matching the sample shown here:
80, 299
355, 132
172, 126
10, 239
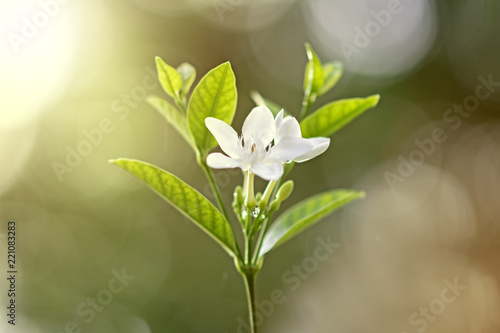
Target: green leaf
304, 214
188, 75
314, 76
333, 116
169, 79
185, 199
214, 96
332, 71
173, 117
262, 101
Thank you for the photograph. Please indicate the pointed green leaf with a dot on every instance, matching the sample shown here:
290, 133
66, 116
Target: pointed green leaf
215, 96
333, 116
304, 214
173, 117
314, 76
169, 79
188, 75
262, 101
332, 71
185, 199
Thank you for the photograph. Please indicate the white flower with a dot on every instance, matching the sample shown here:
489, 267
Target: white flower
264, 146
289, 127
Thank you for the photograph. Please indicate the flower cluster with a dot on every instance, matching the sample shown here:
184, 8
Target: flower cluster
265, 145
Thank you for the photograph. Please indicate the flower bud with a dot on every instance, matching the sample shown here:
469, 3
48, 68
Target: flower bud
264, 200
275, 205
284, 192
249, 195
238, 200
238, 196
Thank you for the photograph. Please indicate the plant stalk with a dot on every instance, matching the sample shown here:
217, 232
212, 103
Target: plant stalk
259, 241
305, 107
215, 188
248, 249
249, 278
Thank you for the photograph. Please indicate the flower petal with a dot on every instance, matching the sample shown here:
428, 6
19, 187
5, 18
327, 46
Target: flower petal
319, 146
288, 127
225, 135
259, 124
287, 149
268, 171
279, 118
221, 161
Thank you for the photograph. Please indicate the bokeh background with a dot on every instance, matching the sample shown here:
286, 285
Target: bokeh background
420, 253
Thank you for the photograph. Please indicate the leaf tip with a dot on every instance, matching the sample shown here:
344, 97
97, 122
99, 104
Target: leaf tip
151, 98
116, 161
362, 194
159, 63
309, 51
375, 98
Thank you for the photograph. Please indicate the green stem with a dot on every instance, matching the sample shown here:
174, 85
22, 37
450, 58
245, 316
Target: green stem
249, 278
305, 107
306, 104
215, 188
181, 105
267, 194
258, 245
288, 168
248, 248
259, 241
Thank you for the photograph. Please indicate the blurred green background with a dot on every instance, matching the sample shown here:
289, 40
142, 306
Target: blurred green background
76, 71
